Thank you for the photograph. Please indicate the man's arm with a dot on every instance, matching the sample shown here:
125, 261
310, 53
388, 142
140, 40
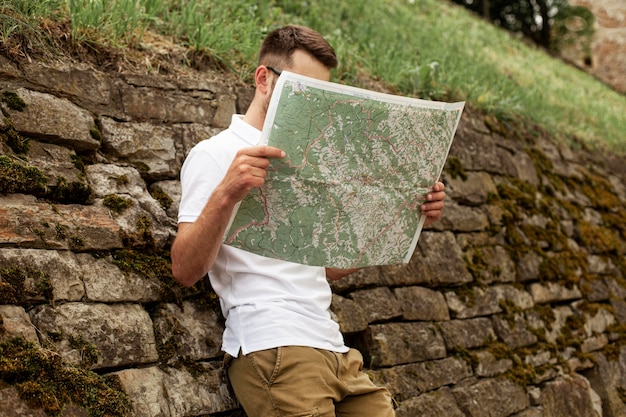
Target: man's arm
197, 244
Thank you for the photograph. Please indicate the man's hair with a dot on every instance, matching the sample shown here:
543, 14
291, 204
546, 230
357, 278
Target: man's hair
279, 45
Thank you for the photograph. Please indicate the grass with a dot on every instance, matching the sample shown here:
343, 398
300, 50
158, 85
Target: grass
423, 48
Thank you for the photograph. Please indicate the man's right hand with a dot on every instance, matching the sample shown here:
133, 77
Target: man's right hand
248, 170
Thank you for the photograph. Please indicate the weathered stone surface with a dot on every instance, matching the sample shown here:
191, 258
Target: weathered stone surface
483, 302
473, 190
467, 334
59, 267
489, 365
348, 314
191, 331
513, 331
608, 379
14, 406
171, 188
419, 303
56, 162
439, 403
407, 381
496, 264
444, 259
28, 223
144, 104
479, 152
545, 293
569, 395
173, 392
106, 283
399, 343
226, 106
379, 304
126, 183
145, 145
460, 218
484, 398
14, 322
83, 83
56, 120
121, 333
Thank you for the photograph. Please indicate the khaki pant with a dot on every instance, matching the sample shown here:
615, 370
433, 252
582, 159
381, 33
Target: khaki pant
295, 381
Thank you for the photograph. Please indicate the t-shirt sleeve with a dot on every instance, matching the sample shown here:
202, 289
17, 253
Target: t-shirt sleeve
199, 177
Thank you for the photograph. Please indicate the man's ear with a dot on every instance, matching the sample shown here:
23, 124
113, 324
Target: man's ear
262, 79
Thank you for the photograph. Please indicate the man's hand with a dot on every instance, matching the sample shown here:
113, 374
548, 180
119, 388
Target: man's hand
434, 203
248, 170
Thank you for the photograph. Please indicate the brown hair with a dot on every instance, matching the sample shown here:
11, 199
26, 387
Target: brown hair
279, 45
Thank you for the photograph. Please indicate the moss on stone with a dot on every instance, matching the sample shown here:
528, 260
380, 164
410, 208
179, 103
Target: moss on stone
18, 143
88, 351
13, 101
164, 200
566, 267
117, 204
455, 168
598, 239
44, 381
13, 288
17, 178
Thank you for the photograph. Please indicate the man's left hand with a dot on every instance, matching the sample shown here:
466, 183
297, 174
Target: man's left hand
433, 206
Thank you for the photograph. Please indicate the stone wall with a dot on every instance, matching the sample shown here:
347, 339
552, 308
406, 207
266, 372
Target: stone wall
608, 47
513, 304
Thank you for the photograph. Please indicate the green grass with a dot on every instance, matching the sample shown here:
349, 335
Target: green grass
423, 48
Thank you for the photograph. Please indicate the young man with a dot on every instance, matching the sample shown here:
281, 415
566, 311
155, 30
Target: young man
285, 355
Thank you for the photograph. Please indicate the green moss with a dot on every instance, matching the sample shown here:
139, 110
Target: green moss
14, 288
18, 143
141, 166
519, 192
599, 239
122, 180
116, 203
13, 101
44, 381
76, 243
17, 178
566, 267
78, 163
94, 132
88, 351
455, 168
164, 200
70, 193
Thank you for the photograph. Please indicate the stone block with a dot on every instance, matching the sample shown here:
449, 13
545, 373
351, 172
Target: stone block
348, 314
378, 304
423, 304
467, 334
400, 343
495, 397
98, 335
54, 120
433, 404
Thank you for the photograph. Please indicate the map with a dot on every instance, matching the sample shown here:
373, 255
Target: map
358, 166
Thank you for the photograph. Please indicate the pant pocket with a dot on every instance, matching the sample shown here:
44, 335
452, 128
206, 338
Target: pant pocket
267, 363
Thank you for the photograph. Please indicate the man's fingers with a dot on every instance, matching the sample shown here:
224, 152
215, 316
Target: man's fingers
264, 152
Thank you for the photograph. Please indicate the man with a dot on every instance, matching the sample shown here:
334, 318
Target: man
285, 355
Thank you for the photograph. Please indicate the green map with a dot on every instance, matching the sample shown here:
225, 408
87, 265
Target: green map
358, 165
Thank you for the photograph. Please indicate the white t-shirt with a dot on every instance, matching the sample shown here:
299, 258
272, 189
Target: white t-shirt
266, 302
